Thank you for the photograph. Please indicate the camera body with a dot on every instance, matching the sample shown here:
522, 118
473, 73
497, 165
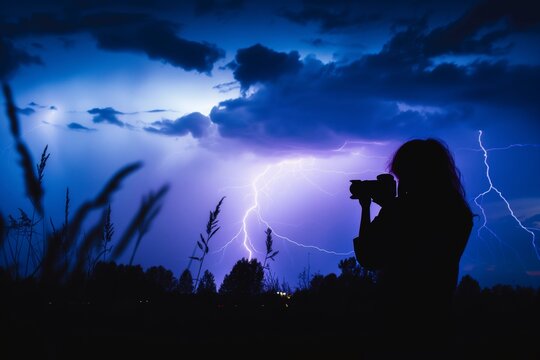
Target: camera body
382, 188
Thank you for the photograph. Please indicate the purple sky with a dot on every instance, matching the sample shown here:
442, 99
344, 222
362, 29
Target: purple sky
276, 105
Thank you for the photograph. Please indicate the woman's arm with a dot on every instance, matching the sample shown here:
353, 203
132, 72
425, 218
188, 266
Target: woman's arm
363, 247
365, 218
373, 246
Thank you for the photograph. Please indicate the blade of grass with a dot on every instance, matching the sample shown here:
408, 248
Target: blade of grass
142, 219
102, 199
2, 229
33, 185
89, 243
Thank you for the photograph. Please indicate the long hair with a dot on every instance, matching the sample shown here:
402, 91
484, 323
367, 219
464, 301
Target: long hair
429, 166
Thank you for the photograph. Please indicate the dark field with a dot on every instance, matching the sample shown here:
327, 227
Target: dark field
332, 320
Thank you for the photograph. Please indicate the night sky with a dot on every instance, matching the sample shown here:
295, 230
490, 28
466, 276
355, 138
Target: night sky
277, 106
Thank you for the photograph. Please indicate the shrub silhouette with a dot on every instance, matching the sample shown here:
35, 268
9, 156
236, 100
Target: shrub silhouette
245, 279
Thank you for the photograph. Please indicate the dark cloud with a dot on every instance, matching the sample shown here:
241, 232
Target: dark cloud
204, 7
227, 86
78, 127
118, 31
259, 64
36, 105
473, 33
171, 7
362, 98
479, 31
26, 111
107, 115
156, 111
318, 42
195, 123
330, 18
11, 58
480, 28
159, 41
67, 42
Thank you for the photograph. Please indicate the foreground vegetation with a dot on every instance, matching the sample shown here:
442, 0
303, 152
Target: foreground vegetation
124, 310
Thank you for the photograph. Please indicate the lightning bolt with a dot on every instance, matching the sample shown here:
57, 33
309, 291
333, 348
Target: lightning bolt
260, 185
493, 188
347, 144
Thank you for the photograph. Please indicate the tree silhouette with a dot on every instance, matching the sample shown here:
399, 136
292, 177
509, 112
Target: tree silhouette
468, 295
350, 268
185, 283
207, 285
161, 278
316, 282
468, 287
245, 278
328, 284
304, 280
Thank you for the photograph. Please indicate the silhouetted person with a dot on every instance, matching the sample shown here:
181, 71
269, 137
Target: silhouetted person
416, 242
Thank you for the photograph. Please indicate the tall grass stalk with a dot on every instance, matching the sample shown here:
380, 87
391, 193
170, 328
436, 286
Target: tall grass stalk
211, 229
272, 283
150, 207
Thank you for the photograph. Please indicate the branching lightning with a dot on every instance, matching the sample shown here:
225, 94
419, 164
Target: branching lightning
261, 185
493, 188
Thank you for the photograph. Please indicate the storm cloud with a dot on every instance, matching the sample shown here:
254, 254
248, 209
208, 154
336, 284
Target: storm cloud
12, 58
330, 19
261, 64
115, 31
107, 115
376, 96
78, 127
195, 124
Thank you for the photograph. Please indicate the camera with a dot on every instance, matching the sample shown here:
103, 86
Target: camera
382, 188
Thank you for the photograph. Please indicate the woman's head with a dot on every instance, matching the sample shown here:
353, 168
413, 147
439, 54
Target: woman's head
426, 167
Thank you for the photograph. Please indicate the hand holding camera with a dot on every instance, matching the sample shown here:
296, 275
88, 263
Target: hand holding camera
380, 191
